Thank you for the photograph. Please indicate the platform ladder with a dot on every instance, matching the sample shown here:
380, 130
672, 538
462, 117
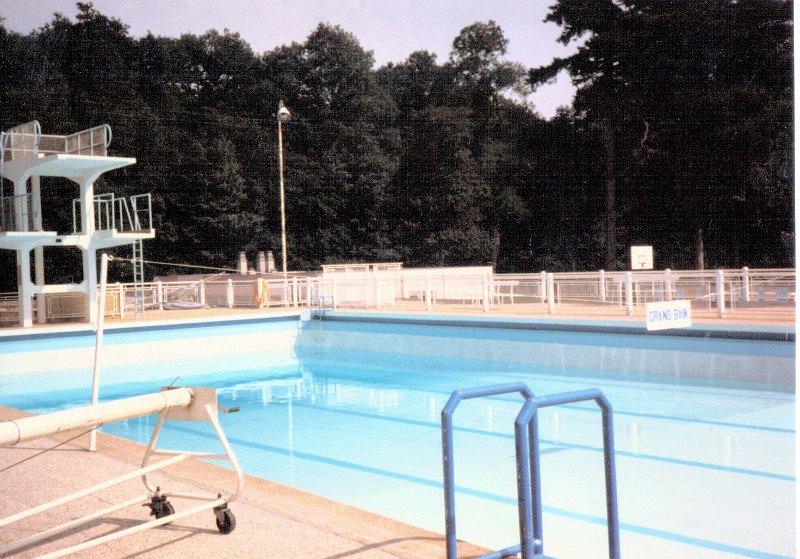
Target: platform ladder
529, 494
137, 262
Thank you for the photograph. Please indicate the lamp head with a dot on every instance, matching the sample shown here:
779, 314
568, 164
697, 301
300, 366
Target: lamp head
283, 113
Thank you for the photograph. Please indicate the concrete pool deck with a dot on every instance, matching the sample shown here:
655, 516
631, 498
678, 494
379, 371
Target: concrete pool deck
272, 520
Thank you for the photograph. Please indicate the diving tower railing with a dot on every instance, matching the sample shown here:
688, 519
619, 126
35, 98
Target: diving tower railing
22, 205
27, 140
131, 214
187, 404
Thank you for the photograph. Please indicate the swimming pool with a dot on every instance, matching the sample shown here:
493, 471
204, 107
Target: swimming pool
705, 463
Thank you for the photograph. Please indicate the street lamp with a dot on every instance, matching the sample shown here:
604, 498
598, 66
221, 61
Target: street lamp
283, 116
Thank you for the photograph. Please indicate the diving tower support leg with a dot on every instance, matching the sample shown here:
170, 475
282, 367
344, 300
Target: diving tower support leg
90, 280
24, 288
38, 252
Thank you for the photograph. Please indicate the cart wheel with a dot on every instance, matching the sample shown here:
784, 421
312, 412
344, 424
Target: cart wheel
165, 509
226, 522
159, 506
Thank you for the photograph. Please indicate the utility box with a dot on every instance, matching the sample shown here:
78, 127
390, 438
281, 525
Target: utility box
641, 258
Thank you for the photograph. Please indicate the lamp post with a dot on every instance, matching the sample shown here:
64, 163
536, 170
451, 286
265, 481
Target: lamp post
283, 116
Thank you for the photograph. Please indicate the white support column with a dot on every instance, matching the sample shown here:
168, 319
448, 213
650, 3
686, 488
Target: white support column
551, 294
229, 293
38, 252
629, 293
720, 294
89, 251
90, 281
24, 288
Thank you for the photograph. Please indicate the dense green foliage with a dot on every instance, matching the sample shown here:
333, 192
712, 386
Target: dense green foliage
681, 131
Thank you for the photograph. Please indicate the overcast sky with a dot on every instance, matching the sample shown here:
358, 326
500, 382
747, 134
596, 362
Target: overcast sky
391, 29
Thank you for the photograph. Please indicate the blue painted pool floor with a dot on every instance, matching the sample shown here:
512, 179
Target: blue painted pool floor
703, 471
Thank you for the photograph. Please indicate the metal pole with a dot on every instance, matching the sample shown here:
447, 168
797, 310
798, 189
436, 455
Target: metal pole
98, 345
283, 203
29, 428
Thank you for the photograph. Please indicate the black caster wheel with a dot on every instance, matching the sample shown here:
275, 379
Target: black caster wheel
159, 506
166, 509
226, 522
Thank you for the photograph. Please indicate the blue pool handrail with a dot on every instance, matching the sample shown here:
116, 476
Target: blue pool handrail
529, 489
529, 492
447, 459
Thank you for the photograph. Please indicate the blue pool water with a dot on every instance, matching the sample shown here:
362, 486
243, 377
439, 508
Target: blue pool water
705, 464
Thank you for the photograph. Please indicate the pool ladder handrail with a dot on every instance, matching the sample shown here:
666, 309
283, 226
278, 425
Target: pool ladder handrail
317, 304
526, 437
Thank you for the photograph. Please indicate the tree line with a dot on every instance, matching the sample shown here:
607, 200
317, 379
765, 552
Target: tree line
680, 137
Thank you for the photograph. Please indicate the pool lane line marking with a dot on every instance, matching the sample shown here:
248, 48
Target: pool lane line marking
573, 515
692, 420
656, 416
569, 446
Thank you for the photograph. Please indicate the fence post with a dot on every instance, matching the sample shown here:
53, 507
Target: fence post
377, 293
160, 295
295, 293
629, 293
121, 298
720, 294
602, 286
333, 293
485, 287
229, 294
551, 295
543, 289
746, 284
668, 285
428, 302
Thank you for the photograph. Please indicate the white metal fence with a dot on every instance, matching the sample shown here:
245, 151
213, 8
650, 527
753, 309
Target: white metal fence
716, 293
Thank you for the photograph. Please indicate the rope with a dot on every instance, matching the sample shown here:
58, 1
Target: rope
174, 264
45, 450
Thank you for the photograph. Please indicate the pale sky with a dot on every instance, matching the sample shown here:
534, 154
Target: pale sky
392, 29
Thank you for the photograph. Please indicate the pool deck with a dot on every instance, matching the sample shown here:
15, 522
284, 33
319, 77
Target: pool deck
272, 520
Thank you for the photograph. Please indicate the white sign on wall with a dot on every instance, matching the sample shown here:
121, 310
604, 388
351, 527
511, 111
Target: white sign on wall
641, 258
669, 314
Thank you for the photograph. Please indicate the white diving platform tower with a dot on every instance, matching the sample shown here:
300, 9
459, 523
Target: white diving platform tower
99, 221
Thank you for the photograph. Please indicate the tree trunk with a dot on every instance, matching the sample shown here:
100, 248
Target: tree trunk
611, 192
701, 256
495, 247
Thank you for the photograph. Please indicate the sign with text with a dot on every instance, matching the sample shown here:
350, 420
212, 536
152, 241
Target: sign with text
669, 314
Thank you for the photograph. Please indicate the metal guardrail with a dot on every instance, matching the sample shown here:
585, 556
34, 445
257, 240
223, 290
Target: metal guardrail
448, 461
17, 213
27, 140
112, 212
529, 491
714, 292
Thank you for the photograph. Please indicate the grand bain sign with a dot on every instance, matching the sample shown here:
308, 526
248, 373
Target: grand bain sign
669, 314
